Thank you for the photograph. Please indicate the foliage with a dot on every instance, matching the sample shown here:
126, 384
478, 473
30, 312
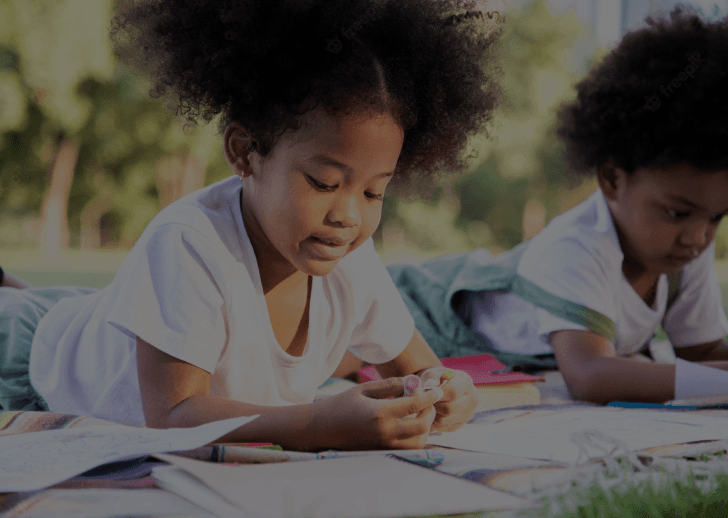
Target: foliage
524, 161
58, 80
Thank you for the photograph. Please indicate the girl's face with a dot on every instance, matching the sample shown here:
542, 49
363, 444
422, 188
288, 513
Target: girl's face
665, 216
318, 194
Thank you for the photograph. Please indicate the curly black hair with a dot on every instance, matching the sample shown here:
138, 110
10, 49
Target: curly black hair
657, 99
433, 65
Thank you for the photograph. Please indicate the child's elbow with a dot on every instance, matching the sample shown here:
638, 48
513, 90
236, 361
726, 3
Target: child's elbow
585, 385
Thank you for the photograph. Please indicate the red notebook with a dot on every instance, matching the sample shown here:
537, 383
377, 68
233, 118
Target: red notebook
478, 366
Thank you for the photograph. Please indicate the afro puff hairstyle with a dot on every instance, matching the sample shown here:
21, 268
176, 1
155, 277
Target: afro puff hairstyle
658, 99
432, 65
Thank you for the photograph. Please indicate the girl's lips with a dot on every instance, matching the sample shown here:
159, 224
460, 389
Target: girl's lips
326, 250
330, 241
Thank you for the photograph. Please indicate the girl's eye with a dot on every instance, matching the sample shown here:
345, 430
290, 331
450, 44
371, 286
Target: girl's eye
321, 186
715, 218
372, 196
677, 214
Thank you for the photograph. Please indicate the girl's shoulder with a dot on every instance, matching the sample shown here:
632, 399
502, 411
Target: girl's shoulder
212, 212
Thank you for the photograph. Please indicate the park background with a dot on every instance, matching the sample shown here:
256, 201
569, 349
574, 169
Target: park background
87, 158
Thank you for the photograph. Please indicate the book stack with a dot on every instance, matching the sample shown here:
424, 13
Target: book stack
495, 387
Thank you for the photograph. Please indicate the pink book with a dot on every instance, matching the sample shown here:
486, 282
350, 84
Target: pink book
479, 366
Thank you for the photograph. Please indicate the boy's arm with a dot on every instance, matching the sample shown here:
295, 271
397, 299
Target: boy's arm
593, 371
175, 394
713, 353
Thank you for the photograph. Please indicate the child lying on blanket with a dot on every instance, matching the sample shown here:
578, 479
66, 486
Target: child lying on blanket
242, 298
650, 121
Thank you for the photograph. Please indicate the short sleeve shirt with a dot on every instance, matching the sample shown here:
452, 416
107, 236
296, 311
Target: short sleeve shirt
191, 288
577, 257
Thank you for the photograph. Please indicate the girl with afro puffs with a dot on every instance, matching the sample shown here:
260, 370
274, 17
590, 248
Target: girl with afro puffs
590, 290
243, 297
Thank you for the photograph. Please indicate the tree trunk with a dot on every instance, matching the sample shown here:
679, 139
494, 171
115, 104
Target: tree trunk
53, 232
169, 180
91, 221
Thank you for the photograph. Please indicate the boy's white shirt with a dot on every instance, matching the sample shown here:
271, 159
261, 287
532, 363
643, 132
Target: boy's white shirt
577, 257
191, 288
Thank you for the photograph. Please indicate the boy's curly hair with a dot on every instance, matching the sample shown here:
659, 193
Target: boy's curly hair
260, 62
657, 99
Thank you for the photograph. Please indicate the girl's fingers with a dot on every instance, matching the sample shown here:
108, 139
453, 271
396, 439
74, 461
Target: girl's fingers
453, 414
431, 377
416, 425
383, 389
410, 405
458, 384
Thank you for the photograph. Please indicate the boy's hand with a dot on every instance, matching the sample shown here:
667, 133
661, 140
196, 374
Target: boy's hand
457, 407
363, 418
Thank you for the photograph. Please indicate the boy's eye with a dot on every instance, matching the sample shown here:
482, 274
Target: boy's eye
373, 196
715, 218
677, 214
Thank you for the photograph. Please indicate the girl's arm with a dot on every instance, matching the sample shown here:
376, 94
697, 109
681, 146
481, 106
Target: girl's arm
457, 407
415, 359
593, 371
176, 394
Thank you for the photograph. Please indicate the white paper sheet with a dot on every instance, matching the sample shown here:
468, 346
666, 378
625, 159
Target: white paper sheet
551, 437
362, 487
31, 461
106, 503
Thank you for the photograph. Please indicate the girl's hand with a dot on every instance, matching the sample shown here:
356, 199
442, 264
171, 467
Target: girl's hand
457, 407
363, 418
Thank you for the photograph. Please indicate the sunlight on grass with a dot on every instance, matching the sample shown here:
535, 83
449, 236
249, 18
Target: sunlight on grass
677, 497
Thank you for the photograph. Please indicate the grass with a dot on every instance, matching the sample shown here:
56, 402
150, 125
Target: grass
684, 497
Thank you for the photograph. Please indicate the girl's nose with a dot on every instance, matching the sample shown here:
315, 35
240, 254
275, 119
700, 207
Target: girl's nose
345, 212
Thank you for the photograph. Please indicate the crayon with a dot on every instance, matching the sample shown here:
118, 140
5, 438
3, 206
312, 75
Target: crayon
412, 385
630, 404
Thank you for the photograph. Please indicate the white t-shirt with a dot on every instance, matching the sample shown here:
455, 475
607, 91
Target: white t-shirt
191, 288
577, 257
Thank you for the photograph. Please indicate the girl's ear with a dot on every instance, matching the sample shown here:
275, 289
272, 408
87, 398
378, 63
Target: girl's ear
238, 145
608, 178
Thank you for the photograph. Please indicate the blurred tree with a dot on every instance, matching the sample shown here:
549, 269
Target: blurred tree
521, 167
48, 48
82, 143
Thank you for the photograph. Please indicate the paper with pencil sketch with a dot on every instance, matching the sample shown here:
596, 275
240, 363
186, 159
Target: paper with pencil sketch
557, 436
357, 487
34, 460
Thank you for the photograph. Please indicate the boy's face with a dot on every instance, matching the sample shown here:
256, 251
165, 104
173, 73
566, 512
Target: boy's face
318, 195
665, 216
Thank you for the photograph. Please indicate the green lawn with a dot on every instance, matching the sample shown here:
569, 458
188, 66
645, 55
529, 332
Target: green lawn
96, 268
